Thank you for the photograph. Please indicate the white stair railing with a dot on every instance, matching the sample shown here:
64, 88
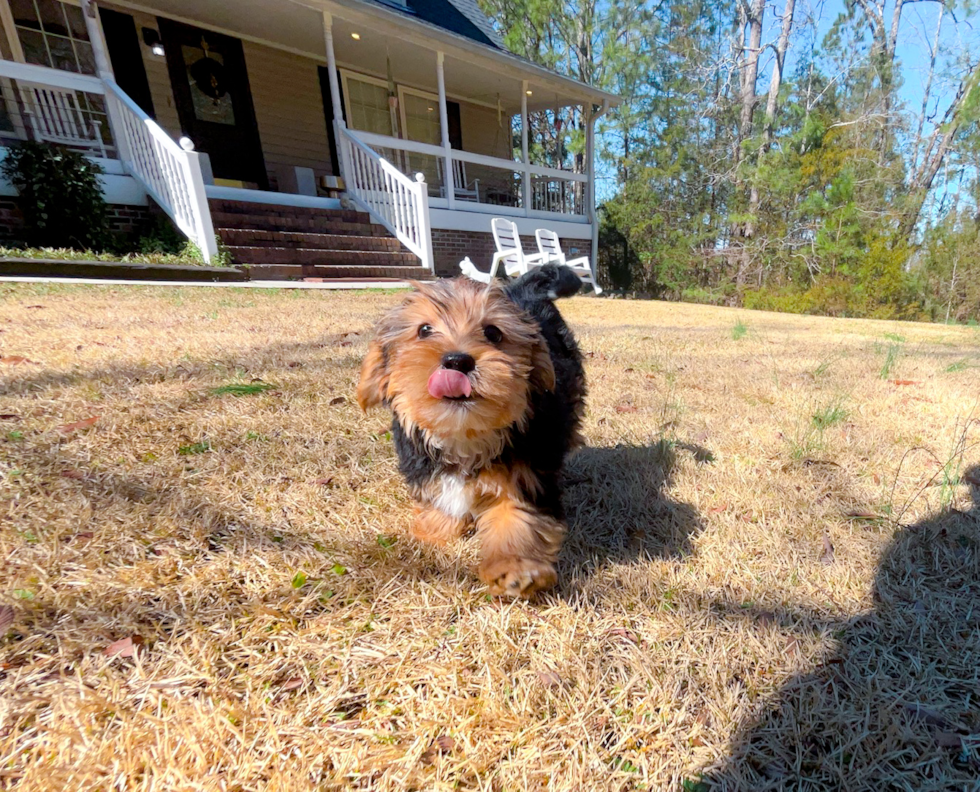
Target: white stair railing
391, 198
169, 173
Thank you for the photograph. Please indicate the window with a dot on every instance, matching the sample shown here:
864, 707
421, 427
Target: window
420, 116
366, 100
53, 34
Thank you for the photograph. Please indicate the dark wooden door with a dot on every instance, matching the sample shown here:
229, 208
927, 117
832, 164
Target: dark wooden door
214, 103
127, 57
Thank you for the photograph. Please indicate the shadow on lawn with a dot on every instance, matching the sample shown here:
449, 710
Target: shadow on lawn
897, 706
617, 509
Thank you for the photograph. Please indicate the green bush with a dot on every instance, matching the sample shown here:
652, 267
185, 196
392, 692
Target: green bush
160, 236
60, 196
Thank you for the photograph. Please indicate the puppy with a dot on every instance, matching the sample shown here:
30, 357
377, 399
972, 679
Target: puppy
487, 390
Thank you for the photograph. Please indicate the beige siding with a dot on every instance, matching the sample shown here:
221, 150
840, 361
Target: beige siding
288, 109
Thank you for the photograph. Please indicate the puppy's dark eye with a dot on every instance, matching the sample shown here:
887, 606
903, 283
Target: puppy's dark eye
425, 331
493, 334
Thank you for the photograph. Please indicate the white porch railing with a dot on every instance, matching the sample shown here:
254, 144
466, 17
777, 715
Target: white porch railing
169, 174
398, 202
551, 192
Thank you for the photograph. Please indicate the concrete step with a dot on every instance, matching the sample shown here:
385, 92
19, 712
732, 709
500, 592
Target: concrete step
305, 271
261, 237
299, 255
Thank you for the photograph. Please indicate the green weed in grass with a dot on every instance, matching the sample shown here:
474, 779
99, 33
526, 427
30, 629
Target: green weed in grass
242, 389
891, 353
195, 448
959, 365
825, 365
829, 416
739, 330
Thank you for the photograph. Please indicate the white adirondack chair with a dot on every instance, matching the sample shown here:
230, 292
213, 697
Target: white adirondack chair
57, 117
550, 248
509, 253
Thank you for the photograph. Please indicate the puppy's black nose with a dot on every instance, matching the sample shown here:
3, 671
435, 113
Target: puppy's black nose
459, 361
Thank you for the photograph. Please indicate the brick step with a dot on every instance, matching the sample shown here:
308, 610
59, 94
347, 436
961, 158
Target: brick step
259, 237
299, 272
320, 224
276, 210
284, 255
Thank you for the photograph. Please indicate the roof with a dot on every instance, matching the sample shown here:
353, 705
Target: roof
462, 17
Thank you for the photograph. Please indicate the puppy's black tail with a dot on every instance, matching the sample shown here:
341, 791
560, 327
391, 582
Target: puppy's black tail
545, 283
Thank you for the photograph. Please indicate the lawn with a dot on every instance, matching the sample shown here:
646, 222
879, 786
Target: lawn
772, 572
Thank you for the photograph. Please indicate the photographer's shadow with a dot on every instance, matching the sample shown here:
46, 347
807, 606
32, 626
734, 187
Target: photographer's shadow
897, 704
617, 508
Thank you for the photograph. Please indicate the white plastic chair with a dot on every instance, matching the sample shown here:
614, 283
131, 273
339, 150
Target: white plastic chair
509, 253
550, 249
57, 117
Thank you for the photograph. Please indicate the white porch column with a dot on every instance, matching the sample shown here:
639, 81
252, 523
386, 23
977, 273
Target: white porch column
448, 177
103, 68
338, 110
526, 173
591, 118
94, 30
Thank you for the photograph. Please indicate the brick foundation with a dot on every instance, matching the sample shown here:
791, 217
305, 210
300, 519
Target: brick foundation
126, 220
451, 247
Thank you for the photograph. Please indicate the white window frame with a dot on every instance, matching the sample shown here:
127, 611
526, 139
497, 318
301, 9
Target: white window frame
346, 74
403, 118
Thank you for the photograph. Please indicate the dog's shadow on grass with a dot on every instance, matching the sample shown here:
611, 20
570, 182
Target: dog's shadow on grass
618, 509
896, 702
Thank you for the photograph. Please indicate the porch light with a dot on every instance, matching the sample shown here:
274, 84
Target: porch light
529, 92
152, 39
355, 36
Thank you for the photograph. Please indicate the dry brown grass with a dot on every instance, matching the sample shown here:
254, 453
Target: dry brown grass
294, 637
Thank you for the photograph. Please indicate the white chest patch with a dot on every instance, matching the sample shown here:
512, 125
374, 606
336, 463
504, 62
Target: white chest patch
454, 499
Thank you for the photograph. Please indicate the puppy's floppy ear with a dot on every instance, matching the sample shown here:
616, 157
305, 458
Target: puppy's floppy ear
542, 369
372, 390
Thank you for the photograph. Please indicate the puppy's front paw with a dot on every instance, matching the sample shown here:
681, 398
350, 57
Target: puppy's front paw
517, 577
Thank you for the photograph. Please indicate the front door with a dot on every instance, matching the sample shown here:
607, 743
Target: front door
214, 103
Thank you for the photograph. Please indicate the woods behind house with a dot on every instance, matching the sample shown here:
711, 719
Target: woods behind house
789, 155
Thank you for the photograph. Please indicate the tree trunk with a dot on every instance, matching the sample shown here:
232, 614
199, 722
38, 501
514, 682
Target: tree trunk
782, 45
752, 17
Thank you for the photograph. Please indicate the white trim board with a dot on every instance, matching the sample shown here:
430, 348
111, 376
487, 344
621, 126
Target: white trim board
446, 220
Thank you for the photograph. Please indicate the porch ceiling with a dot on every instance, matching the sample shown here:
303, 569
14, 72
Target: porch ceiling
288, 25
472, 71
414, 65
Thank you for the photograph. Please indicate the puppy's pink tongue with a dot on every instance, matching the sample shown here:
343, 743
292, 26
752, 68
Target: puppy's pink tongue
448, 382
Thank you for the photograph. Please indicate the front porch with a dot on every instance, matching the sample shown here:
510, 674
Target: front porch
319, 101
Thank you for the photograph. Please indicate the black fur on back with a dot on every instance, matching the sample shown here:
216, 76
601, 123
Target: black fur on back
555, 415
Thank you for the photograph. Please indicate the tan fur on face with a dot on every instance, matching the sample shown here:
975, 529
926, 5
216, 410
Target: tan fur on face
399, 363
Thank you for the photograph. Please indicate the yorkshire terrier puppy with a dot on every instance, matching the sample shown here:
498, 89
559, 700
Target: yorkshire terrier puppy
487, 390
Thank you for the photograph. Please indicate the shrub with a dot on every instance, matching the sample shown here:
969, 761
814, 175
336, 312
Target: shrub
60, 196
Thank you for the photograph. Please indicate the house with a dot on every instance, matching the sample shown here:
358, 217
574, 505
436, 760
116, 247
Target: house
352, 137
